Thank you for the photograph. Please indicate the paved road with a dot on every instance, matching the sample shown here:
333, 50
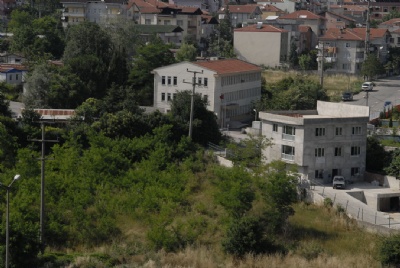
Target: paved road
386, 89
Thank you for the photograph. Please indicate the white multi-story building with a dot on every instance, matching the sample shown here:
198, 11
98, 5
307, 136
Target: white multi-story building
231, 86
329, 141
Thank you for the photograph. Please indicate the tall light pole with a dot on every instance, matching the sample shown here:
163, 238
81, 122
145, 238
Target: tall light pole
8, 188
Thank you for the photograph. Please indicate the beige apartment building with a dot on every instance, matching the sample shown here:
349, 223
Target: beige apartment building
262, 44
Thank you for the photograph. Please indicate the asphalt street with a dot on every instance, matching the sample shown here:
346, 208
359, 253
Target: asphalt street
386, 89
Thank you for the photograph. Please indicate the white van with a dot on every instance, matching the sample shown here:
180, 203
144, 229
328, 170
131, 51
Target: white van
367, 86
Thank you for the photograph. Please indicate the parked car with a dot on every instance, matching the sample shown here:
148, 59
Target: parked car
347, 96
367, 86
339, 182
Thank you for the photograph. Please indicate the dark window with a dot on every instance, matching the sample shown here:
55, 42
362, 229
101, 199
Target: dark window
162, 80
206, 82
162, 96
175, 80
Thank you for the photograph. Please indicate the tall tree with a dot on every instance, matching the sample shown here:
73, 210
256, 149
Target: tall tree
149, 57
187, 52
372, 67
205, 128
88, 52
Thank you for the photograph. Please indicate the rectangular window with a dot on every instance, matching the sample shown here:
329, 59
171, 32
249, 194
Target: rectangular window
16, 77
205, 98
356, 131
175, 80
147, 21
179, 22
319, 152
348, 45
162, 80
320, 131
355, 171
319, 173
275, 127
355, 150
199, 81
173, 95
338, 131
338, 151
162, 96
205, 82
169, 96
288, 133
169, 80
167, 22
287, 152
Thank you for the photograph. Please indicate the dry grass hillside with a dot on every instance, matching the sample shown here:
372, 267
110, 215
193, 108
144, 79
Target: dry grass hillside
317, 237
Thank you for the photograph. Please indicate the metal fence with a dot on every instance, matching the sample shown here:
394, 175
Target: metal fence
355, 208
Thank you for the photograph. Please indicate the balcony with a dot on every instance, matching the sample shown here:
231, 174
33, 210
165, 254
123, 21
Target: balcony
289, 157
330, 59
288, 137
75, 15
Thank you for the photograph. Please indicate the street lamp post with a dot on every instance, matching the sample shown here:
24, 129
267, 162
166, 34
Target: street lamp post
8, 188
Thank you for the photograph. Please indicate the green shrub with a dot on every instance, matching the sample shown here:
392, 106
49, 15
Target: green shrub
246, 235
328, 203
389, 250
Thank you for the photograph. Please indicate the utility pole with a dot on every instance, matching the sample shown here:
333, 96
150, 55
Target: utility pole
42, 184
321, 78
367, 31
194, 84
366, 97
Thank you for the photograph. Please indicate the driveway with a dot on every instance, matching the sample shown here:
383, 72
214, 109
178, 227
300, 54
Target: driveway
356, 208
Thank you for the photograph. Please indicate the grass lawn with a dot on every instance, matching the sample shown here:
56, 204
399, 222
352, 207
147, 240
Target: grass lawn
335, 84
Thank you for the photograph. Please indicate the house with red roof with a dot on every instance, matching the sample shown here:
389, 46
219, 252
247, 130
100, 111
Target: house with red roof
262, 44
393, 26
287, 6
270, 10
241, 14
335, 20
230, 86
307, 18
152, 12
344, 48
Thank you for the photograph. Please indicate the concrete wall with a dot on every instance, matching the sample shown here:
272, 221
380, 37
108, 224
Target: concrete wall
224, 162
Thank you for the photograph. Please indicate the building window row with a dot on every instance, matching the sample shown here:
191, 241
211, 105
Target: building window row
240, 78
169, 80
355, 151
167, 96
319, 131
242, 94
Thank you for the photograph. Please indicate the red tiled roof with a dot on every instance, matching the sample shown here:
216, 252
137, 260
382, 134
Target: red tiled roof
355, 34
391, 22
350, 7
271, 1
340, 16
304, 28
269, 8
301, 14
228, 66
245, 9
7, 66
264, 28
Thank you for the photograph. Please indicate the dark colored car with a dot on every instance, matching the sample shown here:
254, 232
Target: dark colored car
347, 96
